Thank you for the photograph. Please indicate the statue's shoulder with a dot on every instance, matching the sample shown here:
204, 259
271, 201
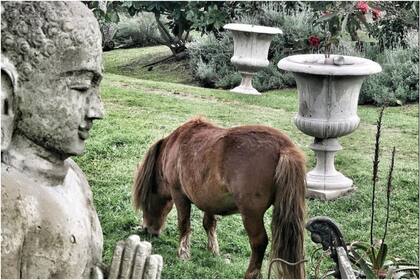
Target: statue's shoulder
75, 174
18, 214
22, 195
13, 182
74, 168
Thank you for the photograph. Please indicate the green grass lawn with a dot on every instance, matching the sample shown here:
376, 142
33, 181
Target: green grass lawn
130, 62
143, 107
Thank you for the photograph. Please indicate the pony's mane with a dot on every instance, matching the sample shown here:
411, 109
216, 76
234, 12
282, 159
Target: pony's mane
198, 120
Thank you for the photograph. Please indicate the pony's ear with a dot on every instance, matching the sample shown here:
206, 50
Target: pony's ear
145, 179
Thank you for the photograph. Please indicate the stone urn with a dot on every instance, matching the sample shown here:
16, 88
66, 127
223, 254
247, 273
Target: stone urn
251, 44
328, 95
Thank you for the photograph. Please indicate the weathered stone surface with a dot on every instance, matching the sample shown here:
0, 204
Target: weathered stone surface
116, 260
251, 44
50, 228
51, 70
143, 252
8, 86
153, 267
341, 65
328, 94
131, 260
48, 231
344, 264
131, 244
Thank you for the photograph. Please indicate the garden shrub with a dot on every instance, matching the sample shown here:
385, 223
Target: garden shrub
137, 31
210, 56
210, 61
398, 83
400, 18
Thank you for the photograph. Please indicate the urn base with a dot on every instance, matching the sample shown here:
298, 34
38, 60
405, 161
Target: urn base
246, 90
324, 181
246, 85
328, 187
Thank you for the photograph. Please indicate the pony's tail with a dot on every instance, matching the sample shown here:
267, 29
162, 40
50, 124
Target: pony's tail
287, 224
145, 176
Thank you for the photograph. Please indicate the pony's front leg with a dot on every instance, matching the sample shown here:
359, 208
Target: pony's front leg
209, 224
254, 226
183, 207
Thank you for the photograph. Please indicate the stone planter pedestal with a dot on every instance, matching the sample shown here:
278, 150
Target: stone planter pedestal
328, 96
251, 44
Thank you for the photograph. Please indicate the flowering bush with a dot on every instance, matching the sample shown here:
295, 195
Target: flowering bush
210, 56
376, 14
341, 19
393, 21
397, 84
362, 6
314, 41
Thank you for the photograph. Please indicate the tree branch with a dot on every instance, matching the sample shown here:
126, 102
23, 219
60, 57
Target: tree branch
186, 36
159, 61
163, 31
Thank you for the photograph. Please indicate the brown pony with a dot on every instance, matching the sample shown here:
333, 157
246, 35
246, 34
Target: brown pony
243, 169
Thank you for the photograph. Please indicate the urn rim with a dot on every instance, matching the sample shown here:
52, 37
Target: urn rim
252, 28
314, 64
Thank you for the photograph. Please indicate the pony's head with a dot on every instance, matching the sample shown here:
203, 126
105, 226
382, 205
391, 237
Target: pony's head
150, 193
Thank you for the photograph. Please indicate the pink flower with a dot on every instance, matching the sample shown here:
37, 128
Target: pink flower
314, 41
376, 14
362, 6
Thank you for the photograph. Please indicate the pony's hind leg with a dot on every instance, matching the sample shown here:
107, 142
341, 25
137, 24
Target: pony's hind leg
209, 224
183, 207
254, 226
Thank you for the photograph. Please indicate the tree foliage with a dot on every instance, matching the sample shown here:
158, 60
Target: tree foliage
400, 18
383, 22
175, 19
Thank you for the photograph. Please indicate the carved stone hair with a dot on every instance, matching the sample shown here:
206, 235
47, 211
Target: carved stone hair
34, 32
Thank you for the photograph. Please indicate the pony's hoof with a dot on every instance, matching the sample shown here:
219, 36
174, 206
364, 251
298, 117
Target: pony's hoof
256, 274
213, 247
184, 255
214, 250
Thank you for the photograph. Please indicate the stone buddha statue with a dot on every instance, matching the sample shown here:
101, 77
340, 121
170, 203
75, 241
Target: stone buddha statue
51, 70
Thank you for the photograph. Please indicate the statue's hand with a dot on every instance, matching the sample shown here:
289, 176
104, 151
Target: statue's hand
133, 260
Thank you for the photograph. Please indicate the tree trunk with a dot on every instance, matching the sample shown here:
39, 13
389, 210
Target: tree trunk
175, 44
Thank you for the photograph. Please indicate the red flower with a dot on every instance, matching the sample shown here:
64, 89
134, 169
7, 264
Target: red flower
362, 6
314, 41
376, 14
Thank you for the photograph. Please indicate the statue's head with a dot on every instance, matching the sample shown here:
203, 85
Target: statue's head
56, 50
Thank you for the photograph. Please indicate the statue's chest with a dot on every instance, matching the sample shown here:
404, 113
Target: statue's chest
68, 235
61, 234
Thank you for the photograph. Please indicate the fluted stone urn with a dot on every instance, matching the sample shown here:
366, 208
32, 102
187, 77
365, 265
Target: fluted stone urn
328, 95
251, 44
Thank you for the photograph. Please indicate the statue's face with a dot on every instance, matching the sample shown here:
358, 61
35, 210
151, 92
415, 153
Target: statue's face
58, 105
